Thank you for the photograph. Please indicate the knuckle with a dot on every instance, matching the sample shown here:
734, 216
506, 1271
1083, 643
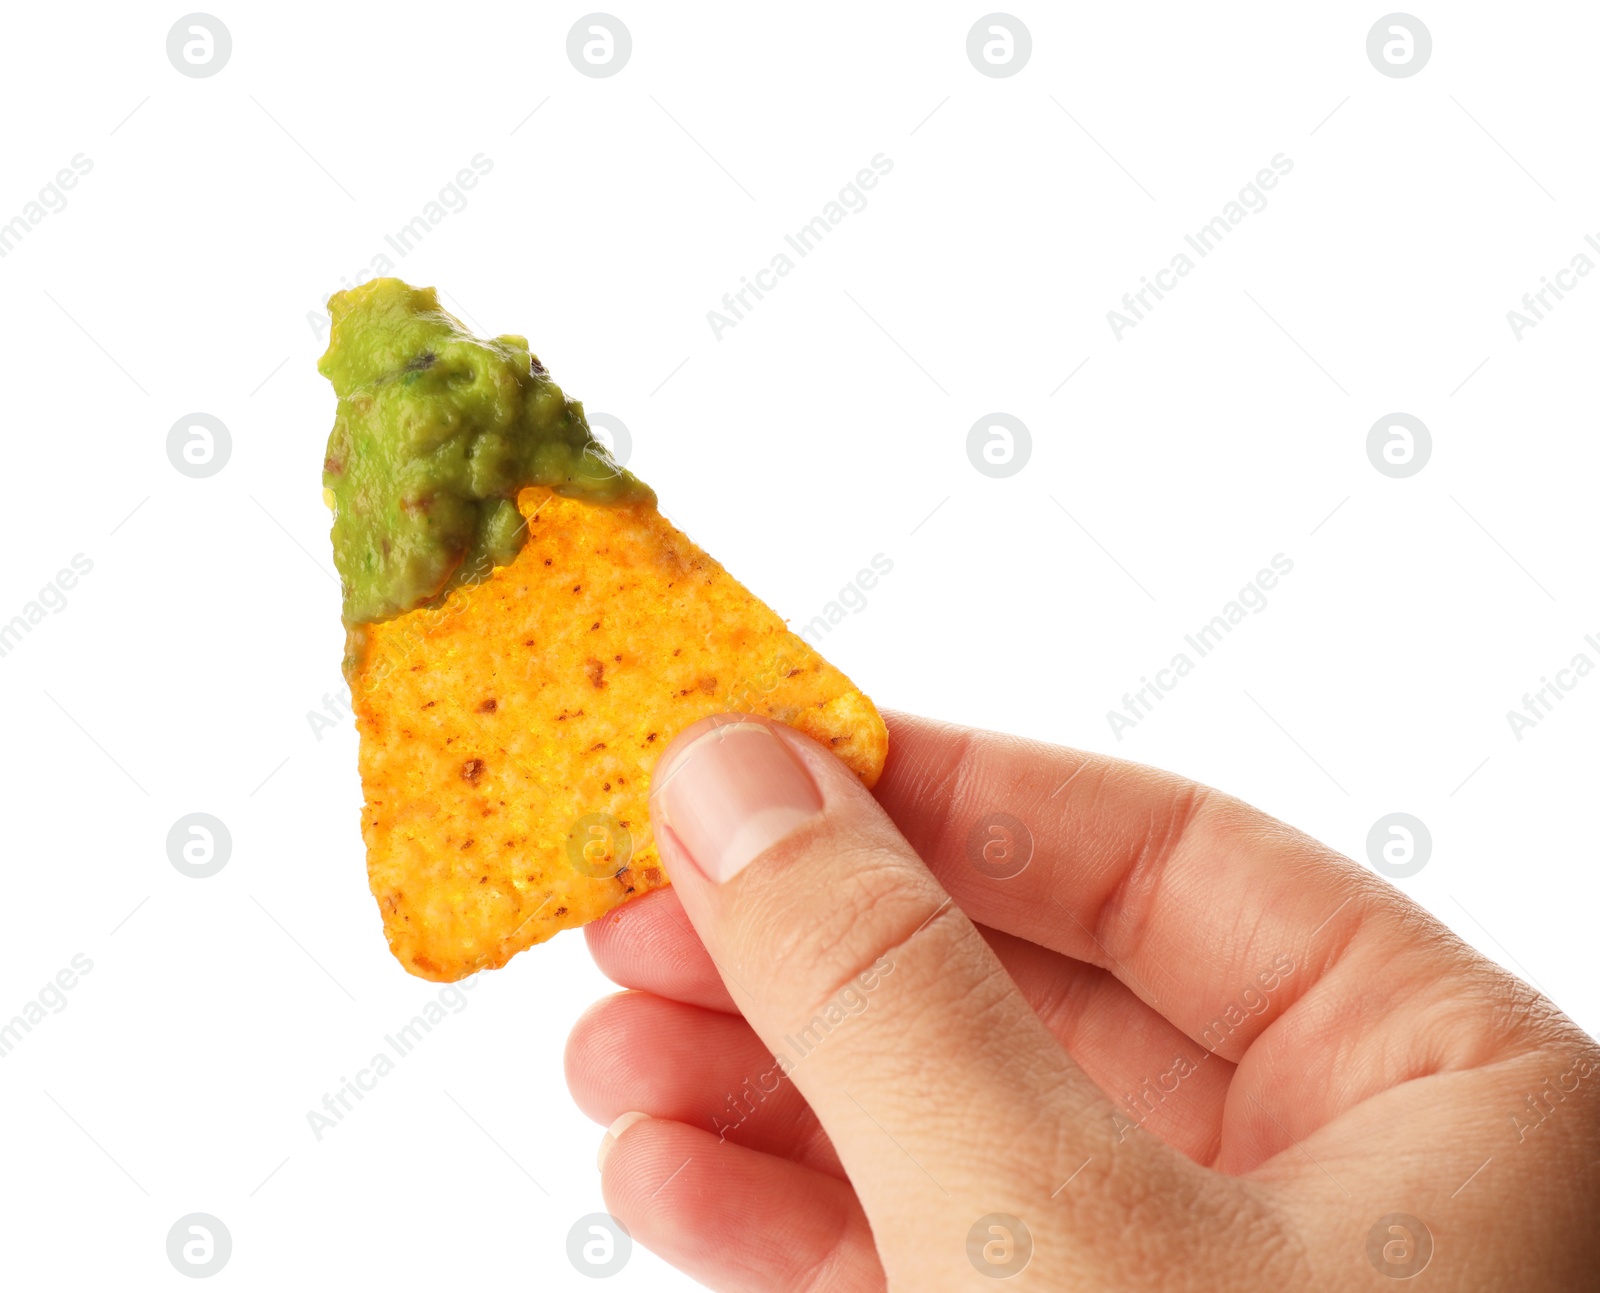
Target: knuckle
876, 906
1128, 911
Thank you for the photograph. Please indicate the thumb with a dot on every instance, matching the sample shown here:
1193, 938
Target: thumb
878, 997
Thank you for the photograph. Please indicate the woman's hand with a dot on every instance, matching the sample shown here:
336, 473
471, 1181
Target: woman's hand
1036, 1014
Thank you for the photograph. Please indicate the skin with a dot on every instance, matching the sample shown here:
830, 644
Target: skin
996, 1066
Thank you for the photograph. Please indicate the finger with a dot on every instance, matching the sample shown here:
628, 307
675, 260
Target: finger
1116, 864
883, 999
1230, 923
648, 943
703, 1068
735, 1219
1160, 1079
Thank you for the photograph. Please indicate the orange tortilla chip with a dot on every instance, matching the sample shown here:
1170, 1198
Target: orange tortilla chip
508, 736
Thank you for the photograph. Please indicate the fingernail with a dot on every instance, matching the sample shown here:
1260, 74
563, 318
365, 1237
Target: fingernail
612, 1133
731, 794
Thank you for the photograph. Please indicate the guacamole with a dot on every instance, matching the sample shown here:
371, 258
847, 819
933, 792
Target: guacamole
435, 433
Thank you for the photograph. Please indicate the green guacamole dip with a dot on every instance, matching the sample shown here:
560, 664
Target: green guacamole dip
435, 433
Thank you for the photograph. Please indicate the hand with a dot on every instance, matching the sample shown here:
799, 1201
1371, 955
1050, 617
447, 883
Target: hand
1183, 1047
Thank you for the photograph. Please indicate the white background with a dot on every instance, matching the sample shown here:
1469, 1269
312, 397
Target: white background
827, 427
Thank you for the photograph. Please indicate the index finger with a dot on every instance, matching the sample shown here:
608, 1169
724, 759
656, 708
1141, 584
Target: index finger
1217, 915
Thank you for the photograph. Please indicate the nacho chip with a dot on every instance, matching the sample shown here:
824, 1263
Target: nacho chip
508, 734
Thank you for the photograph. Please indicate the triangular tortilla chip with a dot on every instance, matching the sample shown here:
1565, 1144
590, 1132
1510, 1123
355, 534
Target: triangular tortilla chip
508, 735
